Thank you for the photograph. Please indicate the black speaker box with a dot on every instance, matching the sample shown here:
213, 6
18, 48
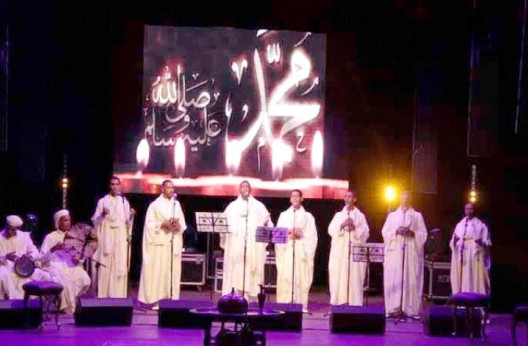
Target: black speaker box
104, 312
13, 316
357, 319
176, 313
291, 320
439, 321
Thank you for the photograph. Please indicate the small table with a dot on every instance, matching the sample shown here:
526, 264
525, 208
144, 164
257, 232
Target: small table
210, 315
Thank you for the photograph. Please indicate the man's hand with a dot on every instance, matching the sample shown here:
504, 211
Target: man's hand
166, 225
348, 223
176, 227
57, 247
297, 233
401, 231
479, 242
12, 256
132, 212
106, 211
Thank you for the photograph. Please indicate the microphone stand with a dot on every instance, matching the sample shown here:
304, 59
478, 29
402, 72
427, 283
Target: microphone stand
400, 316
245, 250
462, 256
293, 256
348, 264
127, 239
172, 245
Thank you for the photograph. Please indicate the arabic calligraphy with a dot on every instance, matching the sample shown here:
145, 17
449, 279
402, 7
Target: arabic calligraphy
266, 110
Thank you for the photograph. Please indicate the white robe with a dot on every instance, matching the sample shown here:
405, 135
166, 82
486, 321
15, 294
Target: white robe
233, 245
113, 230
20, 244
475, 276
337, 263
155, 281
414, 258
304, 257
62, 270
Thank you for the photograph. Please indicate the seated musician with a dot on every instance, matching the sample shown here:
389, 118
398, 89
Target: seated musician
17, 246
63, 253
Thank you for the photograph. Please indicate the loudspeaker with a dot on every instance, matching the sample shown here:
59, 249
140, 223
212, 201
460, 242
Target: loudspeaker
291, 320
176, 313
13, 316
439, 321
104, 312
357, 319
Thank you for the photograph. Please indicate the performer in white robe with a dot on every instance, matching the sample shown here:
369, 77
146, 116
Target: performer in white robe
62, 254
163, 221
468, 244
349, 227
13, 245
113, 222
404, 231
244, 215
302, 234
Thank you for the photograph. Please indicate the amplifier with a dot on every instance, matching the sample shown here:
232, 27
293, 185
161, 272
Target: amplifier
437, 280
270, 273
193, 269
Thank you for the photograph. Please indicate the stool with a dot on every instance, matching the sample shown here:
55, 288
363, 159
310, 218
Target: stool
519, 315
470, 301
48, 292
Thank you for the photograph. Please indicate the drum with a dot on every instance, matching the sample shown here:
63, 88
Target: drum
24, 267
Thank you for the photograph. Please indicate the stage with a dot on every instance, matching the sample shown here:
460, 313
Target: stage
144, 331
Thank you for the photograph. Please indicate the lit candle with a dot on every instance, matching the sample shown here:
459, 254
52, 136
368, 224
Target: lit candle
179, 157
142, 155
317, 154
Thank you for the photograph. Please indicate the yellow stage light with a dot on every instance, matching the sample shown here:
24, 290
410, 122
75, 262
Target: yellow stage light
390, 194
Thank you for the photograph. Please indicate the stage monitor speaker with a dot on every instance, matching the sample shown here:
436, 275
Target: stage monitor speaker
176, 313
357, 319
104, 312
13, 316
291, 320
439, 321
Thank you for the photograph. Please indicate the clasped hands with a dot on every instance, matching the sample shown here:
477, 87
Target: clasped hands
173, 225
405, 232
478, 241
295, 233
348, 224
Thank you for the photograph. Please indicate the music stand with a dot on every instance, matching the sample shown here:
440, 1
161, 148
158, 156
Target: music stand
367, 253
273, 235
211, 223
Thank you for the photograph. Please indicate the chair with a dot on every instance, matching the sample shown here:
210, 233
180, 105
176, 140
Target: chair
49, 295
470, 301
520, 315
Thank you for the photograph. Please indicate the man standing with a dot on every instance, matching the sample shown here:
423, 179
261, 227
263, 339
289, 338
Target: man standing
164, 224
302, 234
244, 215
349, 227
468, 245
15, 244
113, 222
404, 235
62, 254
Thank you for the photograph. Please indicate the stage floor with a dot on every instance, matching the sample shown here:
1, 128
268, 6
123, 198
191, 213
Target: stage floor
145, 332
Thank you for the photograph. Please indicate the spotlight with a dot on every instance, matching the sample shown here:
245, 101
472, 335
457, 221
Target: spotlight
390, 193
